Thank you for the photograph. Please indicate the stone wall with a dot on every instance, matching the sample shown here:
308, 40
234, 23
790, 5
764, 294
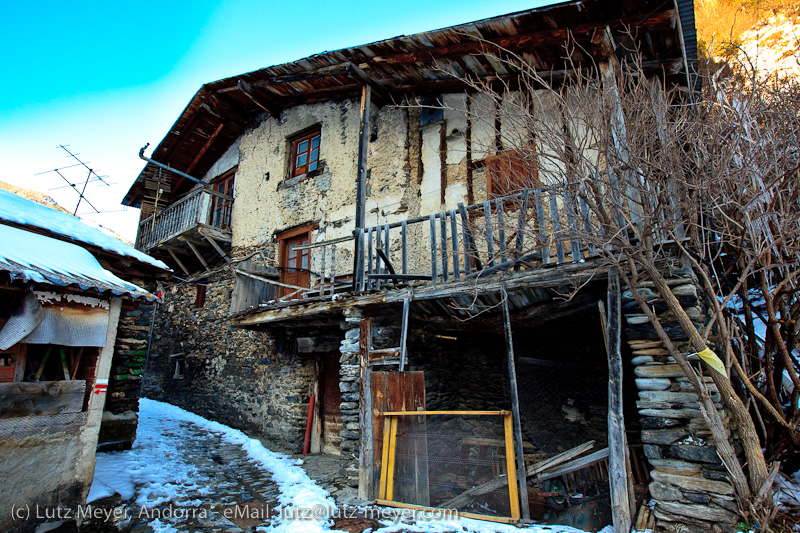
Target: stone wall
689, 486
118, 428
252, 380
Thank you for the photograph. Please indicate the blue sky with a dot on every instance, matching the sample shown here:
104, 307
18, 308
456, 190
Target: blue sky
107, 77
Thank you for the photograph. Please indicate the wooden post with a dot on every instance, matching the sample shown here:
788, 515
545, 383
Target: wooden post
512, 379
366, 463
361, 179
617, 442
404, 330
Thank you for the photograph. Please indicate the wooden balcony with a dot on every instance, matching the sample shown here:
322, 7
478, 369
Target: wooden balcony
189, 233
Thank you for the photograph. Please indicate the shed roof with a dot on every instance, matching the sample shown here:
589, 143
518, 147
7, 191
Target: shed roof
36, 258
26, 214
429, 62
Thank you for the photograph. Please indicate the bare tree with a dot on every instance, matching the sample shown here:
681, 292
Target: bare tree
709, 181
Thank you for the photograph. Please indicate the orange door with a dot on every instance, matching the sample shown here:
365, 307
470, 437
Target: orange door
295, 265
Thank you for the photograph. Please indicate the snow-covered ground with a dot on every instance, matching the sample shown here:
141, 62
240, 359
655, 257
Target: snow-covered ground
155, 472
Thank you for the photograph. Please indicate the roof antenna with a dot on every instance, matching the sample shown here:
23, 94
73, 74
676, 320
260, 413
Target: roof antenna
81, 193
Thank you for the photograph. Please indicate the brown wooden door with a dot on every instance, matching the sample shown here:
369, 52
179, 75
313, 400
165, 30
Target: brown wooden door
402, 391
331, 412
295, 264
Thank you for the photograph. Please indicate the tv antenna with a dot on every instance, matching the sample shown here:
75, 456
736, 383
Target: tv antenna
91, 176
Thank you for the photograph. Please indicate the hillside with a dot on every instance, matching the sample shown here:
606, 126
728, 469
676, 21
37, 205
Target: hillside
767, 32
35, 196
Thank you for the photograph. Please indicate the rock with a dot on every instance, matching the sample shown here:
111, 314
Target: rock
651, 351
716, 475
690, 452
344, 406
666, 396
653, 383
646, 293
643, 345
636, 319
700, 512
658, 371
651, 451
662, 492
696, 497
641, 359
676, 466
663, 436
670, 413
684, 290
692, 483
658, 422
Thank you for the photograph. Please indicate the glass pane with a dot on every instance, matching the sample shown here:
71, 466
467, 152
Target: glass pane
315, 141
313, 155
304, 259
301, 160
312, 166
302, 147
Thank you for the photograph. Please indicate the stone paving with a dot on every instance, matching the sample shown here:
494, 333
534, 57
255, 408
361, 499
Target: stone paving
237, 496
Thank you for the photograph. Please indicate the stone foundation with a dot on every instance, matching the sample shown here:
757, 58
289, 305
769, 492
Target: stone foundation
120, 414
689, 486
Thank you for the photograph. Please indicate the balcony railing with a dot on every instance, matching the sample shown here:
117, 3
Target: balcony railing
188, 213
520, 231
524, 231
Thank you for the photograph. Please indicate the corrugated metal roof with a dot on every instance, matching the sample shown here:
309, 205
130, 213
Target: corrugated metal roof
31, 257
23, 212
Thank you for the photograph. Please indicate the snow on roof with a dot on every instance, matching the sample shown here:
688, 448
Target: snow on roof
32, 257
18, 210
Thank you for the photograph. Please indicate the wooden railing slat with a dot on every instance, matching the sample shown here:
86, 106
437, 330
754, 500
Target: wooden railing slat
454, 240
542, 223
434, 262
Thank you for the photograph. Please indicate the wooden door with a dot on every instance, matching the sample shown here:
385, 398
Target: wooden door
331, 412
402, 391
295, 264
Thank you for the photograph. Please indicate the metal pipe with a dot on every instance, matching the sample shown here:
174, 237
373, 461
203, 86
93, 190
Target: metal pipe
184, 175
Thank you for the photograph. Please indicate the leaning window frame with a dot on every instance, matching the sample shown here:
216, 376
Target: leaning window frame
303, 170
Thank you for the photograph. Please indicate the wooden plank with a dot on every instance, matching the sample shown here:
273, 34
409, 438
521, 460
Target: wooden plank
501, 230
404, 330
466, 413
23, 399
454, 240
535, 469
384, 458
542, 223
617, 444
369, 258
404, 246
556, 222
587, 224
379, 427
522, 220
513, 489
434, 271
488, 518
575, 247
366, 471
445, 267
41, 425
421, 438
516, 431
575, 465
487, 216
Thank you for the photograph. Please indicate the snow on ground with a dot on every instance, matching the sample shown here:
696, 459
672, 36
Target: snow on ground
154, 472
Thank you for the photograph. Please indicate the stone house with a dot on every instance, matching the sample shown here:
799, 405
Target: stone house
321, 217
70, 332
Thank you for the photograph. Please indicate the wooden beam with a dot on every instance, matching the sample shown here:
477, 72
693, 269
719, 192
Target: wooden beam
380, 91
275, 112
361, 185
41, 398
617, 442
517, 425
366, 470
217, 247
566, 274
178, 261
196, 253
205, 147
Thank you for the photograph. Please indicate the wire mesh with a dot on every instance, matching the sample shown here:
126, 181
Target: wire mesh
438, 457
